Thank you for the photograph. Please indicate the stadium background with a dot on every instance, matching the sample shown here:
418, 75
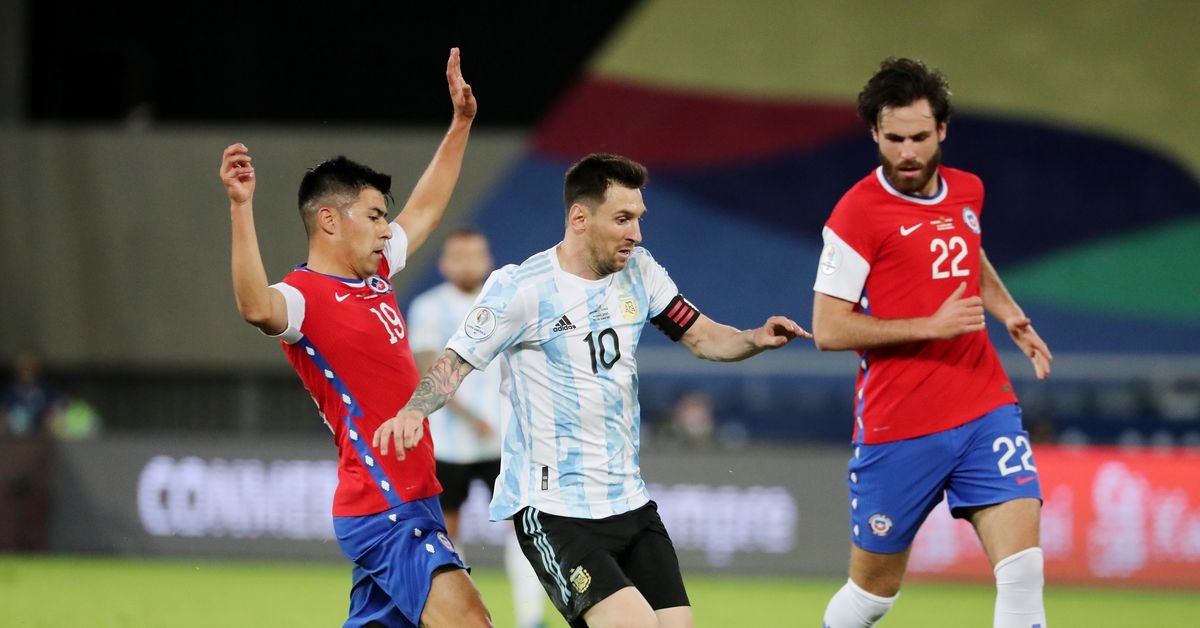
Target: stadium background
113, 226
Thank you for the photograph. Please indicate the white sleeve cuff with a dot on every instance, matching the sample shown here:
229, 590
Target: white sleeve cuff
842, 272
295, 313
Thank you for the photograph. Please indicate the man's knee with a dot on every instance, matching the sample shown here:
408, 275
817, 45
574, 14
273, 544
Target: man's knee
852, 607
1020, 579
1023, 570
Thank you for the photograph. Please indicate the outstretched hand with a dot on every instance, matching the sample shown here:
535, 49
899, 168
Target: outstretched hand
460, 91
778, 331
1031, 344
237, 174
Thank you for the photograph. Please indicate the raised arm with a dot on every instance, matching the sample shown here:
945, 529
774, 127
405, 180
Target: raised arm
1000, 303
438, 384
258, 304
710, 340
837, 327
427, 203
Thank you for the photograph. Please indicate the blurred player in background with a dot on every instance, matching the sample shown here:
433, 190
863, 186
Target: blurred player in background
565, 324
29, 406
336, 319
904, 281
466, 433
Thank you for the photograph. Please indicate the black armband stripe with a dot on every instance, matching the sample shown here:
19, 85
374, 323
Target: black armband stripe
676, 318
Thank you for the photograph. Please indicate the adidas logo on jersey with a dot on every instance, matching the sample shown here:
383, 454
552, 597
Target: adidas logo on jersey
563, 324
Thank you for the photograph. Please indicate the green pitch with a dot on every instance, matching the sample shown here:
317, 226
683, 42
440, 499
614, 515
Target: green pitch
55, 591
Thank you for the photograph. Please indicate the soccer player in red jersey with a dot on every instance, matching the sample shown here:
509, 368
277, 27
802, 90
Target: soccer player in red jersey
903, 280
337, 320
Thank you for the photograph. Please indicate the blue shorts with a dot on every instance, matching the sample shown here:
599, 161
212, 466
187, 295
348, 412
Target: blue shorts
894, 486
395, 554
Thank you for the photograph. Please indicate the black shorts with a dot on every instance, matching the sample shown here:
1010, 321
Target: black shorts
582, 561
456, 480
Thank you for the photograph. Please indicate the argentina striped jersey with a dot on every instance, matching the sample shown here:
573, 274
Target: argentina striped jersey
571, 426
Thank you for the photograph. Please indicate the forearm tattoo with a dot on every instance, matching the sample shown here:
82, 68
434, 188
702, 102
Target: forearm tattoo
439, 383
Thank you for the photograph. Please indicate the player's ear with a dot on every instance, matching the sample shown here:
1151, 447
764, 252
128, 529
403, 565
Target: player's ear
577, 217
875, 133
327, 219
942, 132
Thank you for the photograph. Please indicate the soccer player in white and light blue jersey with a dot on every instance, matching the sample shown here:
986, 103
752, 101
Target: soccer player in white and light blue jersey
565, 325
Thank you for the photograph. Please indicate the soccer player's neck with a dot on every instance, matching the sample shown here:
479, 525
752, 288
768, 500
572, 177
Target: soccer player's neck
327, 263
572, 258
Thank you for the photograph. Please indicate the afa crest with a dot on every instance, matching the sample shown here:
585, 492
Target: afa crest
581, 579
629, 308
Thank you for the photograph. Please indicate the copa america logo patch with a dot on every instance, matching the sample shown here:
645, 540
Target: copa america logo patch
971, 220
379, 284
880, 524
480, 323
831, 258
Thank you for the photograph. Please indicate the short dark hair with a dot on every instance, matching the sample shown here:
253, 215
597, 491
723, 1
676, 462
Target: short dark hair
901, 82
465, 231
337, 181
588, 180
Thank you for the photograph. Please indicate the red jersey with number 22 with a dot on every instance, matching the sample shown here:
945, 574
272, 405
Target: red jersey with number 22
901, 256
349, 344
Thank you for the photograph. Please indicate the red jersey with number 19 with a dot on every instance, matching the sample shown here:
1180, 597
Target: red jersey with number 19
348, 342
901, 256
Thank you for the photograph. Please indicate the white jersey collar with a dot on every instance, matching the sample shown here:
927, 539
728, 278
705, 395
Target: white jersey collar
943, 189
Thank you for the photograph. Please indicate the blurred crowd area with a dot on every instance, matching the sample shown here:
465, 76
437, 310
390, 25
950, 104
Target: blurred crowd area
729, 409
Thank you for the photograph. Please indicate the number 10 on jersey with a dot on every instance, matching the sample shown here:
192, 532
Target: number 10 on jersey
605, 348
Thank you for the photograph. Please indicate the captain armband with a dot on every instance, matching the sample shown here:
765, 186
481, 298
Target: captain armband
677, 318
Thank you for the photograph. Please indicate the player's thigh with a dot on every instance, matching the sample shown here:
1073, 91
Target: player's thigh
677, 617
893, 487
996, 484
996, 462
575, 559
880, 574
396, 554
625, 608
454, 601
651, 563
1007, 528
628, 608
371, 605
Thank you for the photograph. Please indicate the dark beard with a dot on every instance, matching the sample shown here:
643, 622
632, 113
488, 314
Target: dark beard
906, 185
604, 268
602, 262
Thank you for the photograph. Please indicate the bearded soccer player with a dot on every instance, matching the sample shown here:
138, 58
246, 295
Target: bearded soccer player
337, 320
565, 326
903, 280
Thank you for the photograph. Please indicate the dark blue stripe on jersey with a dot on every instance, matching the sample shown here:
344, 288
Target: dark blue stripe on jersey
358, 440
860, 395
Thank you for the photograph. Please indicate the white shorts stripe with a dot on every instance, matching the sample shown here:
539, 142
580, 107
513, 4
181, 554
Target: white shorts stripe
534, 529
